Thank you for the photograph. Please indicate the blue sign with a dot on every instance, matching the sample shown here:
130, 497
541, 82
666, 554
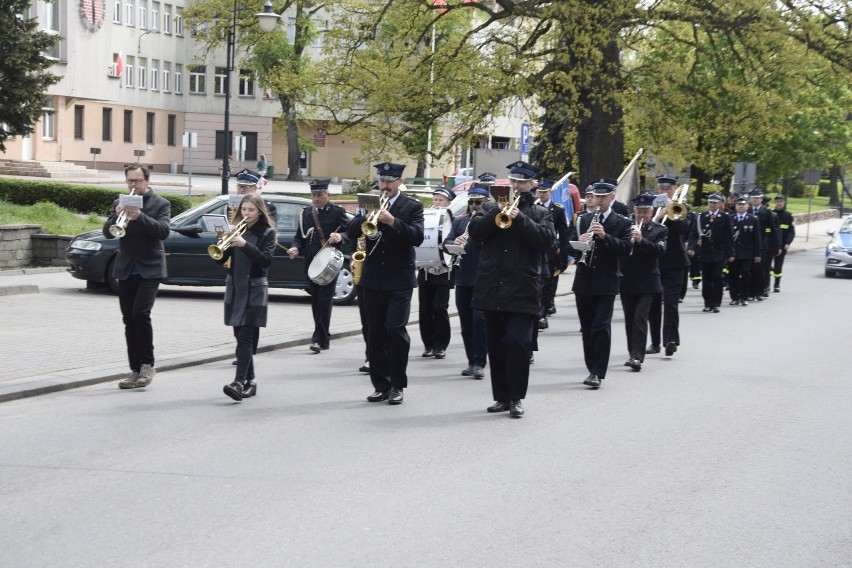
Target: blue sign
525, 138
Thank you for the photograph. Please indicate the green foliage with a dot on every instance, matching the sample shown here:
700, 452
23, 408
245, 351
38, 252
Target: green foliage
23, 70
78, 198
50, 216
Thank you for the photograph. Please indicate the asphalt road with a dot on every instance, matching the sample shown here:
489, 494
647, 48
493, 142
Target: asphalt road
734, 452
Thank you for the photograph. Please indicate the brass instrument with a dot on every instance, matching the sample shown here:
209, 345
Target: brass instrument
586, 257
370, 227
633, 242
676, 210
502, 195
357, 262
119, 228
217, 251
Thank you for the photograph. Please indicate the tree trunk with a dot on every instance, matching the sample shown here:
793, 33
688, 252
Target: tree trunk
697, 192
288, 110
421, 168
833, 194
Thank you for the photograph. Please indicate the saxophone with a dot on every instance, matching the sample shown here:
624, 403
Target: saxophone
358, 258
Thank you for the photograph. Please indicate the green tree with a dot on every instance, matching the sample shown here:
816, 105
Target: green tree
23, 67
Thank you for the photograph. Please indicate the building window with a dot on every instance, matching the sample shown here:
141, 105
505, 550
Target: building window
107, 125
178, 79
143, 72
128, 71
48, 124
143, 14
167, 69
172, 125
167, 18
78, 122
128, 126
155, 75
219, 81
128, 13
251, 145
149, 128
291, 30
320, 27
48, 19
116, 12
197, 80
246, 83
155, 16
178, 22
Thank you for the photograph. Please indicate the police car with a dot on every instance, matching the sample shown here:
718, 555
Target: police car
838, 252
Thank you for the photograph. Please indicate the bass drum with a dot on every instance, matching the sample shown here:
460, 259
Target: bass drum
325, 266
436, 227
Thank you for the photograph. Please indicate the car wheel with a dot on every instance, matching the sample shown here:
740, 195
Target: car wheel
111, 281
344, 292
830, 273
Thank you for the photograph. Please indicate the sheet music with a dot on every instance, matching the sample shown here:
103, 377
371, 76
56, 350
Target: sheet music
125, 200
215, 223
454, 249
579, 245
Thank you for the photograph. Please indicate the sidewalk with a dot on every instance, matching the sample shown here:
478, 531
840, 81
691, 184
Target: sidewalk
57, 335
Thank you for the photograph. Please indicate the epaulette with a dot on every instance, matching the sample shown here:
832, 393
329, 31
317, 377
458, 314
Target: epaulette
559, 205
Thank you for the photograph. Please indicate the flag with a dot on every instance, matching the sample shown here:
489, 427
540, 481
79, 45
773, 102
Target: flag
562, 194
628, 181
119, 64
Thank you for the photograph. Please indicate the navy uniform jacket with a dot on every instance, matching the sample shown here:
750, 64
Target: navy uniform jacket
331, 218
142, 245
557, 258
390, 256
510, 265
746, 237
600, 278
465, 272
675, 257
769, 233
711, 237
640, 271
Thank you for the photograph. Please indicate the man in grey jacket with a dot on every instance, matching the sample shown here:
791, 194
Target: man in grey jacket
139, 266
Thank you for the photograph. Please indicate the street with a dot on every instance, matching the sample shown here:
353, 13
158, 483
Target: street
736, 451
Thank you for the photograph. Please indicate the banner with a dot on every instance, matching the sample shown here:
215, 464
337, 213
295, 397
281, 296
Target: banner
628, 181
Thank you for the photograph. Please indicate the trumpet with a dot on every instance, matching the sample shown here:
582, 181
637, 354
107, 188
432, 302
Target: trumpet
119, 229
370, 227
217, 251
676, 210
586, 257
503, 219
502, 195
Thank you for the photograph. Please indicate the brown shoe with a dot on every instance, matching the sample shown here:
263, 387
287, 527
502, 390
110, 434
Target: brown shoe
129, 382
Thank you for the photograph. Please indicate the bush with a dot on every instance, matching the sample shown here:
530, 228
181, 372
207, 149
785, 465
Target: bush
79, 198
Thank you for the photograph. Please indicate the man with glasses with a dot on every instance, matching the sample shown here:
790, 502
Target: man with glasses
139, 267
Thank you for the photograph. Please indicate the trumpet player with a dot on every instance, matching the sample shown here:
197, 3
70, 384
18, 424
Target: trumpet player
247, 288
139, 267
673, 270
387, 281
596, 280
640, 280
508, 285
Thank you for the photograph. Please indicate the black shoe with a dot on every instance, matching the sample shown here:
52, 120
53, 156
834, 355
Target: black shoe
750, 299
743, 302
249, 389
469, 371
428, 353
777, 289
234, 390
395, 396
378, 396
478, 373
440, 353
234, 362
706, 309
716, 309
593, 381
542, 323
365, 368
758, 298
532, 358
634, 364
652, 349
671, 348
315, 347
695, 285
766, 293
680, 300
516, 410
499, 407
734, 303
551, 310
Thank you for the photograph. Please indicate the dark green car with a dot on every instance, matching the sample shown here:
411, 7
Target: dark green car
90, 255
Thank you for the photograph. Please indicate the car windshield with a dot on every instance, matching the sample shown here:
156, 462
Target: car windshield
847, 226
192, 216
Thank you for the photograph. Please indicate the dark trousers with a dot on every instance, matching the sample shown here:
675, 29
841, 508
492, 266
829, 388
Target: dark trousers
760, 274
664, 311
472, 324
636, 309
387, 315
365, 324
509, 338
595, 314
548, 291
695, 270
322, 299
136, 297
434, 302
739, 278
777, 268
713, 283
248, 336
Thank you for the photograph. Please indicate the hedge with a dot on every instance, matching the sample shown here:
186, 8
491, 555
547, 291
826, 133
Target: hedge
79, 198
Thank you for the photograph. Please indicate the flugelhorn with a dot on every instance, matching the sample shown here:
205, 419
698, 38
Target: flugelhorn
217, 251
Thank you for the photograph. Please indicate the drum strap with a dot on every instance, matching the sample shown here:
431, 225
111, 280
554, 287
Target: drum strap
317, 225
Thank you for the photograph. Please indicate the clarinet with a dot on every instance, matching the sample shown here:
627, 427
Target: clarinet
586, 257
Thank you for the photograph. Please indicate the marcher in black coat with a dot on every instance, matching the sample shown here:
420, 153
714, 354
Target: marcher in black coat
139, 267
640, 276
247, 289
557, 256
387, 282
770, 245
787, 229
596, 278
710, 240
746, 241
321, 224
508, 286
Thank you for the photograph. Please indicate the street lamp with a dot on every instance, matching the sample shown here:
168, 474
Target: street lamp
268, 20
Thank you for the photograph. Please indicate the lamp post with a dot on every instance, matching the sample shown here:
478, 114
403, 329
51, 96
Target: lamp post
268, 20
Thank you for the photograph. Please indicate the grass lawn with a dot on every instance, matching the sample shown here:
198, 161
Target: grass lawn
800, 204
53, 218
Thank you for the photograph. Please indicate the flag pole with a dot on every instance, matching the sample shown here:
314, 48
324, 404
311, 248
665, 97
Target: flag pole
627, 169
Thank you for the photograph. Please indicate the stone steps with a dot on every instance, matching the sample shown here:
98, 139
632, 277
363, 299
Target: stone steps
57, 170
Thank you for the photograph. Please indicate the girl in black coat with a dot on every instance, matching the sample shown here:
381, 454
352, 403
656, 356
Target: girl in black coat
247, 289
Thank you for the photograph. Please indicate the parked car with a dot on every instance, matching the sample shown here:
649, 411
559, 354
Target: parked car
838, 252
90, 255
462, 175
